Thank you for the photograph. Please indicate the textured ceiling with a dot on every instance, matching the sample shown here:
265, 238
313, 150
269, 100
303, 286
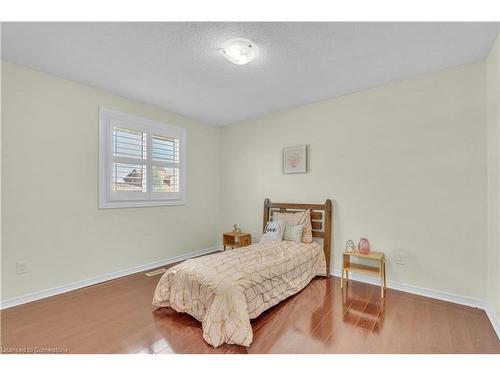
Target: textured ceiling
179, 66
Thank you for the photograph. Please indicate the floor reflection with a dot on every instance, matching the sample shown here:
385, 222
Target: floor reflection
366, 312
294, 319
323, 318
315, 320
183, 334
293, 322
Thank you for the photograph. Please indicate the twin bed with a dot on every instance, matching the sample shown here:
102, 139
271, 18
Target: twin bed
225, 290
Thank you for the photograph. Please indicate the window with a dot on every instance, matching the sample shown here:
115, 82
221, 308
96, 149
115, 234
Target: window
141, 162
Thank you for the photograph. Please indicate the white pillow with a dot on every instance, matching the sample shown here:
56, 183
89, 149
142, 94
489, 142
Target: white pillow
293, 232
274, 231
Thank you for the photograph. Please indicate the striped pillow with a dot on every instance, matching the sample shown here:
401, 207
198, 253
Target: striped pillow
296, 218
293, 232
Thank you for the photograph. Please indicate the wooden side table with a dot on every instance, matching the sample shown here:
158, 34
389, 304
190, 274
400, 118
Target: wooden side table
236, 239
378, 270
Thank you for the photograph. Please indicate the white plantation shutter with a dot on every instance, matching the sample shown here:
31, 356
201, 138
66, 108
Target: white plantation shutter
165, 165
141, 162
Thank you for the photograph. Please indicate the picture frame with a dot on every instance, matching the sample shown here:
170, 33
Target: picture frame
295, 159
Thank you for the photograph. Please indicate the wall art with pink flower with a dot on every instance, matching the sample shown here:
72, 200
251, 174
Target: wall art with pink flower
295, 159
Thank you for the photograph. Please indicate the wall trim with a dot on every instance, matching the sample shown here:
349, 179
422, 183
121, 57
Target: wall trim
30, 297
425, 292
495, 322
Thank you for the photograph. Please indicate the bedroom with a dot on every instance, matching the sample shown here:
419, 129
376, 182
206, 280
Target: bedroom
250, 187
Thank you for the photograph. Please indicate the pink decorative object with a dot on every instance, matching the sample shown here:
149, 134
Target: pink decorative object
294, 158
364, 246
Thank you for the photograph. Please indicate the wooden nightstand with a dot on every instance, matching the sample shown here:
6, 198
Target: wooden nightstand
378, 270
236, 239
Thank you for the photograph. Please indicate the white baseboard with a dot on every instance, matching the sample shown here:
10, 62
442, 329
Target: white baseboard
30, 297
425, 292
493, 319
444, 296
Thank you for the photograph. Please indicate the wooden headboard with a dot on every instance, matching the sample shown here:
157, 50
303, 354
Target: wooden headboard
321, 220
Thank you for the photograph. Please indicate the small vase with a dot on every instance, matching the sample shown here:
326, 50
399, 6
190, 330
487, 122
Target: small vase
364, 246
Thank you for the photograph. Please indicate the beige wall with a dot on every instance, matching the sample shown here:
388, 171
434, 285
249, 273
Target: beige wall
49, 196
1, 62
405, 164
493, 136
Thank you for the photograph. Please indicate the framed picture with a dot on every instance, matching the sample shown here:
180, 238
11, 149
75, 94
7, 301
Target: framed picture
295, 159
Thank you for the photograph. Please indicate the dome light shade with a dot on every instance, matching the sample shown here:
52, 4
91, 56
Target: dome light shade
239, 51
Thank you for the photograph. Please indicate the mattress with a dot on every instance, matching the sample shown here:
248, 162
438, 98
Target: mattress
227, 289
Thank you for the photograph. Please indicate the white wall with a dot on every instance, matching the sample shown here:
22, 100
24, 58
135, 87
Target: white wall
493, 133
49, 187
404, 163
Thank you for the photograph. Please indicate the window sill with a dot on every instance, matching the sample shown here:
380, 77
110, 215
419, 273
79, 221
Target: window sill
129, 204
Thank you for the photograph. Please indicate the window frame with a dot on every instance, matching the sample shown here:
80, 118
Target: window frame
109, 199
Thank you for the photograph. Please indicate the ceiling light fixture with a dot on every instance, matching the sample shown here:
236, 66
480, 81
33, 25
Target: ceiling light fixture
239, 51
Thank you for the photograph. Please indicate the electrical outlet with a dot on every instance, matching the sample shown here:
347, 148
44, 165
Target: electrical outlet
400, 258
21, 267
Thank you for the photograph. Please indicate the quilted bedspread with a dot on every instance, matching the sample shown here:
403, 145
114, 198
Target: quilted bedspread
225, 290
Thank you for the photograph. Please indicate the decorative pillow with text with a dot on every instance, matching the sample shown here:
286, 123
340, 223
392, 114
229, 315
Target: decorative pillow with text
274, 230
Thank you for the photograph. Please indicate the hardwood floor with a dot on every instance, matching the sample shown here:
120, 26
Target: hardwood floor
117, 317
